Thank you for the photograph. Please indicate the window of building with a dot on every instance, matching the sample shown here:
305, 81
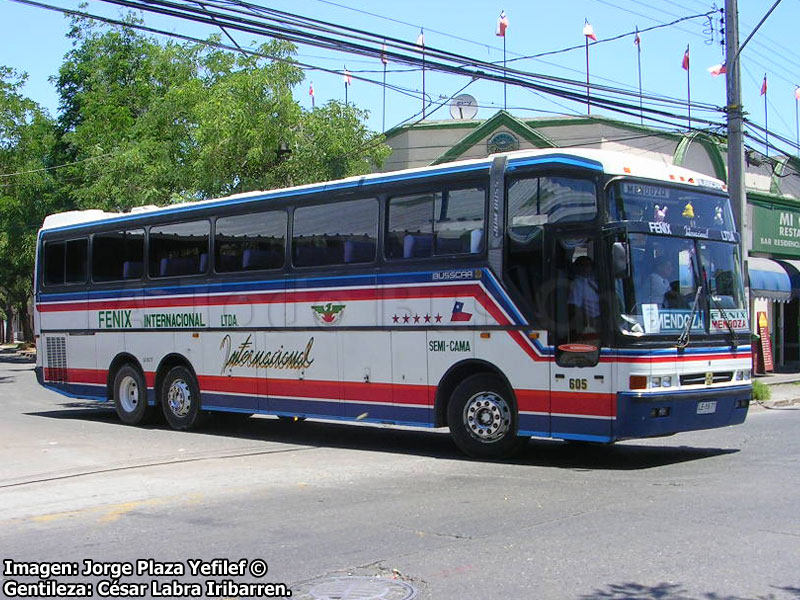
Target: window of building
337, 233
250, 242
179, 249
118, 255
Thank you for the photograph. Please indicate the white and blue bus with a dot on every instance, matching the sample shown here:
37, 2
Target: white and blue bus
579, 295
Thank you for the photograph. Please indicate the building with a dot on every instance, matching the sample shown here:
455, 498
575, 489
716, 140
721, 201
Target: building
773, 190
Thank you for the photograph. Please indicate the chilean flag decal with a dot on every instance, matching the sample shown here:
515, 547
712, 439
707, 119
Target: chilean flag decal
458, 312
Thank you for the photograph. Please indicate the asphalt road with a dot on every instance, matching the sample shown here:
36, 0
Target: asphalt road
706, 515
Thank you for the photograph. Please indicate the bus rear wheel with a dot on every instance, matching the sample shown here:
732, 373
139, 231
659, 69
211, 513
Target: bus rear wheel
130, 396
180, 399
483, 419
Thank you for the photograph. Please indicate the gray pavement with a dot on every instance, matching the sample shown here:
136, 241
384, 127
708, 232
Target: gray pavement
698, 516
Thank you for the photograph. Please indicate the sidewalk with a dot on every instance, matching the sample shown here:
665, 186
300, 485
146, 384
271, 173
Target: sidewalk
784, 389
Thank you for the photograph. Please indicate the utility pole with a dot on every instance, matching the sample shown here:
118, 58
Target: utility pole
733, 79
736, 167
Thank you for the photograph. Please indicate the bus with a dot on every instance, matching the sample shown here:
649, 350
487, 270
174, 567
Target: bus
571, 294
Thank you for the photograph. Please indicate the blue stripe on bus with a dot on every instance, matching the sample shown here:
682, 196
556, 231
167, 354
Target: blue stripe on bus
516, 163
78, 391
563, 427
291, 193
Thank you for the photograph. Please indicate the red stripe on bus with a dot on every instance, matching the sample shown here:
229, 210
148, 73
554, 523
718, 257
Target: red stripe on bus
280, 296
583, 404
91, 376
307, 388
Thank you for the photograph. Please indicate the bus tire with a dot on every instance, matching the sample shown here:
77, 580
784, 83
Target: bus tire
180, 399
130, 396
483, 418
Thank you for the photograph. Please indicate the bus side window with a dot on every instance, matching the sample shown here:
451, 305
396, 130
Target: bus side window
336, 233
179, 249
440, 223
118, 255
66, 262
250, 242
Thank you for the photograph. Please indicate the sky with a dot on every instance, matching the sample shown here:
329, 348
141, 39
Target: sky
34, 41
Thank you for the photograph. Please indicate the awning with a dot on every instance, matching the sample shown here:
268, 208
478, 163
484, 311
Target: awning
768, 280
793, 268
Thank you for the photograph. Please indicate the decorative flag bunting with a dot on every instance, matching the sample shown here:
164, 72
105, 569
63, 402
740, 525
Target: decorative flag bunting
797, 115
502, 24
421, 44
637, 41
588, 34
385, 62
588, 31
717, 70
685, 67
766, 114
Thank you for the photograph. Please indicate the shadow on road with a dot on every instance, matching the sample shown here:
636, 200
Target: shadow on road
672, 591
16, 359
436, 444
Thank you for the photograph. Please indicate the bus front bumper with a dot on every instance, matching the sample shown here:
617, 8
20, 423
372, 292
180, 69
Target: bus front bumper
641, 414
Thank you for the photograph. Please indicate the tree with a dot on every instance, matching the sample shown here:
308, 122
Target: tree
27, 136
148, 123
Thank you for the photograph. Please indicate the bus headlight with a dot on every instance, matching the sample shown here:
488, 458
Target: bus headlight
666, 381
655, 382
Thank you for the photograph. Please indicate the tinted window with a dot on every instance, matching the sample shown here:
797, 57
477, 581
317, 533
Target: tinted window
54, 263
447, 222
66, 262
534, 201
179, 249
118, 255
250, 242
331, 234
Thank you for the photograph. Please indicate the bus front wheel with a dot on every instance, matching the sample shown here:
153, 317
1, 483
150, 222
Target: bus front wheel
180, 399
482, 418
130, 396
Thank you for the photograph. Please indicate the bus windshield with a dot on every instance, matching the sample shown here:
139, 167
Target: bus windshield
674, 281
636, 201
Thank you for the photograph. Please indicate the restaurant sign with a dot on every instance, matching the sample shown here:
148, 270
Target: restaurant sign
776, 230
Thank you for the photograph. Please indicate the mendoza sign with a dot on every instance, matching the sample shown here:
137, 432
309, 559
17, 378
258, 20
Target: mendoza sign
776, 230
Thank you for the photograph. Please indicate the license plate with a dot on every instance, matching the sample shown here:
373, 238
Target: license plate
706, 408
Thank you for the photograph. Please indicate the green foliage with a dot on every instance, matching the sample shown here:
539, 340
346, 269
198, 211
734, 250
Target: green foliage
761, 392
147, 123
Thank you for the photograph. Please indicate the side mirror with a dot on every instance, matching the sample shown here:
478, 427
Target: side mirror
620, 260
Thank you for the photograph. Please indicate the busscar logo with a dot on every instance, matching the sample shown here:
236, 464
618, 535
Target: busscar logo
328, 314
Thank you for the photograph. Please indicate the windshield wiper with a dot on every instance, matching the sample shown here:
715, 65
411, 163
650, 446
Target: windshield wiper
725, 318
683, 340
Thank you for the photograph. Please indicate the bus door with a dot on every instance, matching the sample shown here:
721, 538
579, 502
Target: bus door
581, 399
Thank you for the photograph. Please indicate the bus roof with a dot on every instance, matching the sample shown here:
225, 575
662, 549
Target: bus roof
610, 162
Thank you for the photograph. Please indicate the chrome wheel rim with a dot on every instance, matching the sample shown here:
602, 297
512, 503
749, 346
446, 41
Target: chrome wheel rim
129, 394
179, 398
487, 417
